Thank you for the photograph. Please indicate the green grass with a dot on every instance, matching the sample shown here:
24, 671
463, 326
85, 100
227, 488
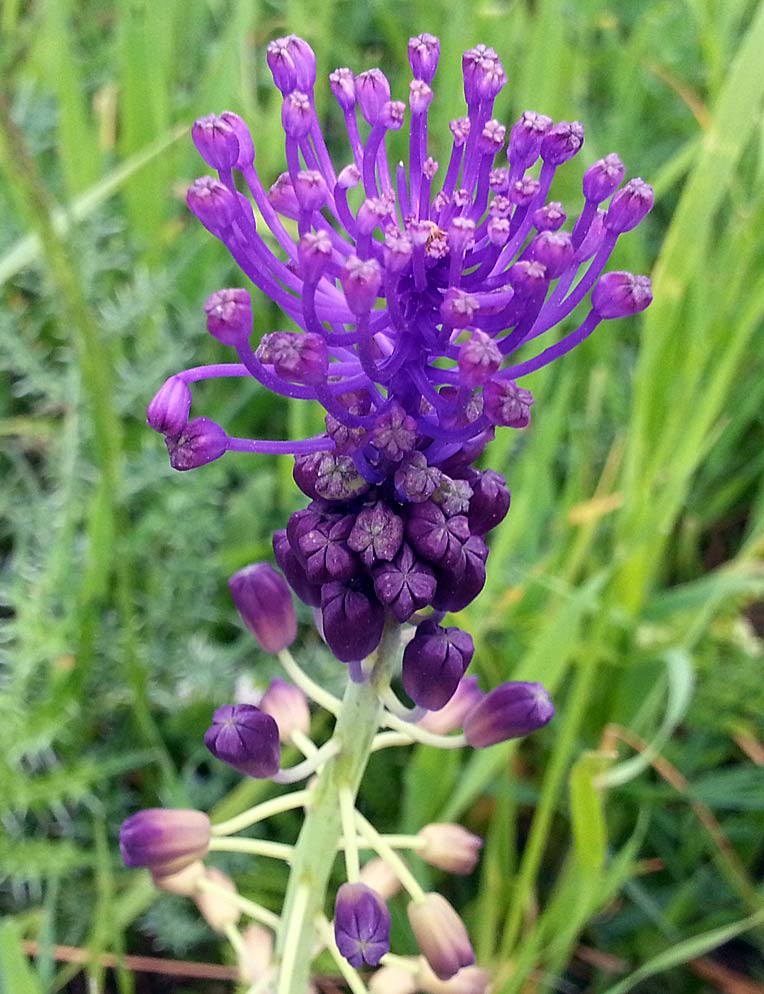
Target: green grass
624, 577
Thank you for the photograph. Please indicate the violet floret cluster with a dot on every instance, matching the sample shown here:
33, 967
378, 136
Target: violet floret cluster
410, 289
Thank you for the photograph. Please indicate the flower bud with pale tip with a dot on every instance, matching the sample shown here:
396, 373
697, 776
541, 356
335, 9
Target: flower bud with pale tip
451, 716
183, 882
394, 980
469, 980
215, 908
256, 955
378, 875
164, 840
288, 706
450, 847
199, 442
440, 935
263, 600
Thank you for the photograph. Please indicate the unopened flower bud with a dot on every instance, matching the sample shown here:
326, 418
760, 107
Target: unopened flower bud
281, 64
629, 206
550, 217
342, 83
372, 91
216, 141
440, 935
469, 980
301, 357
459, 308
352, 617
168, 411
246, 146
424, 52
200, 442
212, 203
393, 980
526, 137
183, 883
562, 142
288, 706
509, 711
450, 847
420, 96
296, 114
554, 250
229, 316
215, 908
505, 403
489, 503
361, 280
603, 178
378, 875
245, 739
479, 359
528, 276
434, 662
310, 189
304, 59
264, 602
164, 840
256, 955
361, 925
619, 295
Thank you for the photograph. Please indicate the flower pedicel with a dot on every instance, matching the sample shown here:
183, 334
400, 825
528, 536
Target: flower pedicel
407, 291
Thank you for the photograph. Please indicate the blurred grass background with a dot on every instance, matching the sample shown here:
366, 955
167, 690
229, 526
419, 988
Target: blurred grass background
625, 843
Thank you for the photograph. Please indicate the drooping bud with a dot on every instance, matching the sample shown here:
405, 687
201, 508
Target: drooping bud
479, 359
562, 142
404, 585
620, 294
200, 442
216, 141
301, 357
394, 980
361, 925
353, 619
264, 602
229, 316
183, 883
212, 203
424, 52
245, 739
450, 847
451, 715
440, 935
629, 206
378, 875
164, 840
168, 411
215, 908
505, 403
256, 955
372, 91
603, 178
434, 662
509, 711
458, 587
489, 503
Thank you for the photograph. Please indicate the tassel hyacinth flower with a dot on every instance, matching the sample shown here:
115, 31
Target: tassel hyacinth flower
415, 297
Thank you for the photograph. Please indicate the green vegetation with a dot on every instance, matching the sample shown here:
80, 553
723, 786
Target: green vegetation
625, 841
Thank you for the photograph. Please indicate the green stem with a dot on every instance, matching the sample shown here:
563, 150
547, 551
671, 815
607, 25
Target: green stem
315, 851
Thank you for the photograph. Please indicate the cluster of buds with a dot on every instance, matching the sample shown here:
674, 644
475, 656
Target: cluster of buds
407, 314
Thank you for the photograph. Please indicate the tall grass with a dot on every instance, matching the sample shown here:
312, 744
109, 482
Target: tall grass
623, 842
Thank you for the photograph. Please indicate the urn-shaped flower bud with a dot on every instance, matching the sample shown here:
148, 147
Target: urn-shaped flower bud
450, 847
404, 585
281, 64
378, 875
246, 739
353, 619
603, 178
304, 59
302, 358
168, 411
216, 141
509, 711
434, 662
377, 534
479, 358
629, 206
165, 840
424, 52
489, 503
361, 925
372, 91
361, 280
212, 203
619, 295
525, 138
435, 537
451, 715
342, 83
264, 602
229, 316
183, 883
550, 217
562, 142
505, 403
288, 706
440, 935
554, 250
246, 145
309, 593
216, 909
314, 252
201, 441
469, 980
296, 114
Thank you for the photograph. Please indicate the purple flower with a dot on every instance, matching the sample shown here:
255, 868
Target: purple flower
168, 411
404, 585
246, 739
361, 925
353, 619
199, 442
434, 662
164, 840
264, 602
509, 711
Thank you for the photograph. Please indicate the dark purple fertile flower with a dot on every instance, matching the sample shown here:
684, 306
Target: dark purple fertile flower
353, 619
489, 503
377, 534
199, 442
435, 537
619, 295
264, 602
509, 711
246, 739
507, 404
229, 316
164, 840
405, 585
361, 925
309, 593
434, 662
458, 588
